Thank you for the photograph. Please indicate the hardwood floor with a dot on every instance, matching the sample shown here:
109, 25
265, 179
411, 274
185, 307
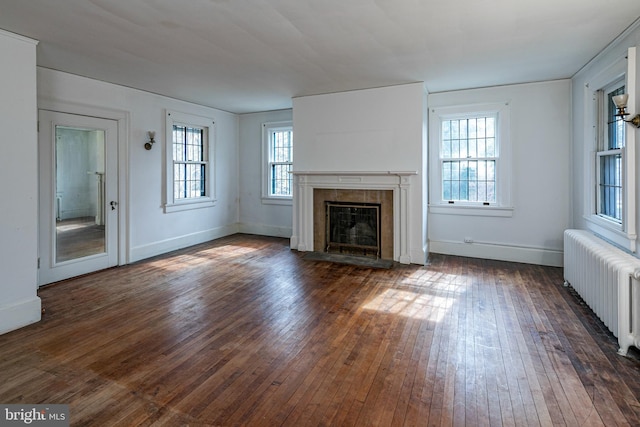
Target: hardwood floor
243, 331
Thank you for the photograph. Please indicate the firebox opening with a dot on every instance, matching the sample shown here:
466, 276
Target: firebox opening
353, 228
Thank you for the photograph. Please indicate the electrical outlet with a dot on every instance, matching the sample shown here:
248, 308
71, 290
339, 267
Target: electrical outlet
468, 240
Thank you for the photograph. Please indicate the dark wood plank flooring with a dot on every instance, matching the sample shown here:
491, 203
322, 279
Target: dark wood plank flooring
244, 331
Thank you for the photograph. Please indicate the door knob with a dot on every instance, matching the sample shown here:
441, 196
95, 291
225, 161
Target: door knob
113, 205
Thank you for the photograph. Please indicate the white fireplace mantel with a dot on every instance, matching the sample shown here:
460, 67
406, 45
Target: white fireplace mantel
397, 181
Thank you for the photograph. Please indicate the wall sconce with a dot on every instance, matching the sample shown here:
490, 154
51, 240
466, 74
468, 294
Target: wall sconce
151, 141
621, 105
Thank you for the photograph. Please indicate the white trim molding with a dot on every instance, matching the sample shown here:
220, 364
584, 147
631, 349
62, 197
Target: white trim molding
500, 252
19, 314
162, 247
623, 235
501, 111
124, 119
19, 37
398, 181
171, 204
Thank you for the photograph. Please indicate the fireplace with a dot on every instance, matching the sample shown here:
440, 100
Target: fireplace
390, 190
344, 203
353, 228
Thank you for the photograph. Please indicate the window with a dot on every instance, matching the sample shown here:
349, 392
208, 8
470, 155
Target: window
468, 158
278, 162
610, 171
469, 152
189, 161
609, 157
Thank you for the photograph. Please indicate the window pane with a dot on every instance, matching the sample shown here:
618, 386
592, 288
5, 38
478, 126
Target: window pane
455, 190
473, 170
615, 125
482, 127
491, 170
446, 130
490, 127
281, 146
446, 171
482, 190
446, 190
473, 129
482, 171
195, 149
610, 186
455, 170
178, 143
491, 192
482, 147
473, 137
473, 191
491, 147
464, 148
281, 181
473, 147
455, 148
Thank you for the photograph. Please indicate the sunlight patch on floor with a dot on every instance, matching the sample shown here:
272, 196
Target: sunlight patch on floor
73, 226
225, 252
229, 251
428, 296
411, 304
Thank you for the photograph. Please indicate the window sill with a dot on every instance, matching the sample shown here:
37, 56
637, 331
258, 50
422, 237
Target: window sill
277, 201
611, 231
205, 202
492, 211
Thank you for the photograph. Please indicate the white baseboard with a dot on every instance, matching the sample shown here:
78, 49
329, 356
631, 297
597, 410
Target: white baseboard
158, 248
418, 256
19, 314
501, 252
265, 230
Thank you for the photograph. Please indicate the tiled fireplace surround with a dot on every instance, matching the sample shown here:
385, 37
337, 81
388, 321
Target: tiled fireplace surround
389, 188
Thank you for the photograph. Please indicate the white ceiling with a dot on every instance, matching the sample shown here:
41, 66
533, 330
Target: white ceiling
255, 55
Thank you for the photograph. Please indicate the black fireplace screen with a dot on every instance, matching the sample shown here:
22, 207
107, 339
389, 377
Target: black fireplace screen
353, 228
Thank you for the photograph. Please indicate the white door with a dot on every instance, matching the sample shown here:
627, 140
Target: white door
78, 195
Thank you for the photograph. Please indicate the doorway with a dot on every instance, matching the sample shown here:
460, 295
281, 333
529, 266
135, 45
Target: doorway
78, 196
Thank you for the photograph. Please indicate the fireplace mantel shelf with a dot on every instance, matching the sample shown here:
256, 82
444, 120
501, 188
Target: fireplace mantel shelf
361, 173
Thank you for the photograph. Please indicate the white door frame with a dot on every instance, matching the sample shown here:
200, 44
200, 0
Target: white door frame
123, 119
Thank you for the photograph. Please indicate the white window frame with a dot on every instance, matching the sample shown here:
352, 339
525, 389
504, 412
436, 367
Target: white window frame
603, 151
621, 233
502, 205
267, 197
171, 204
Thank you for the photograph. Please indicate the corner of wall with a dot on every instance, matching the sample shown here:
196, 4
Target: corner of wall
19, 314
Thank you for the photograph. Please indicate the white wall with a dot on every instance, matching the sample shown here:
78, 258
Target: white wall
258, 216
368, 130
19, 303
540, 139
150, 230
583, 140
363, 130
